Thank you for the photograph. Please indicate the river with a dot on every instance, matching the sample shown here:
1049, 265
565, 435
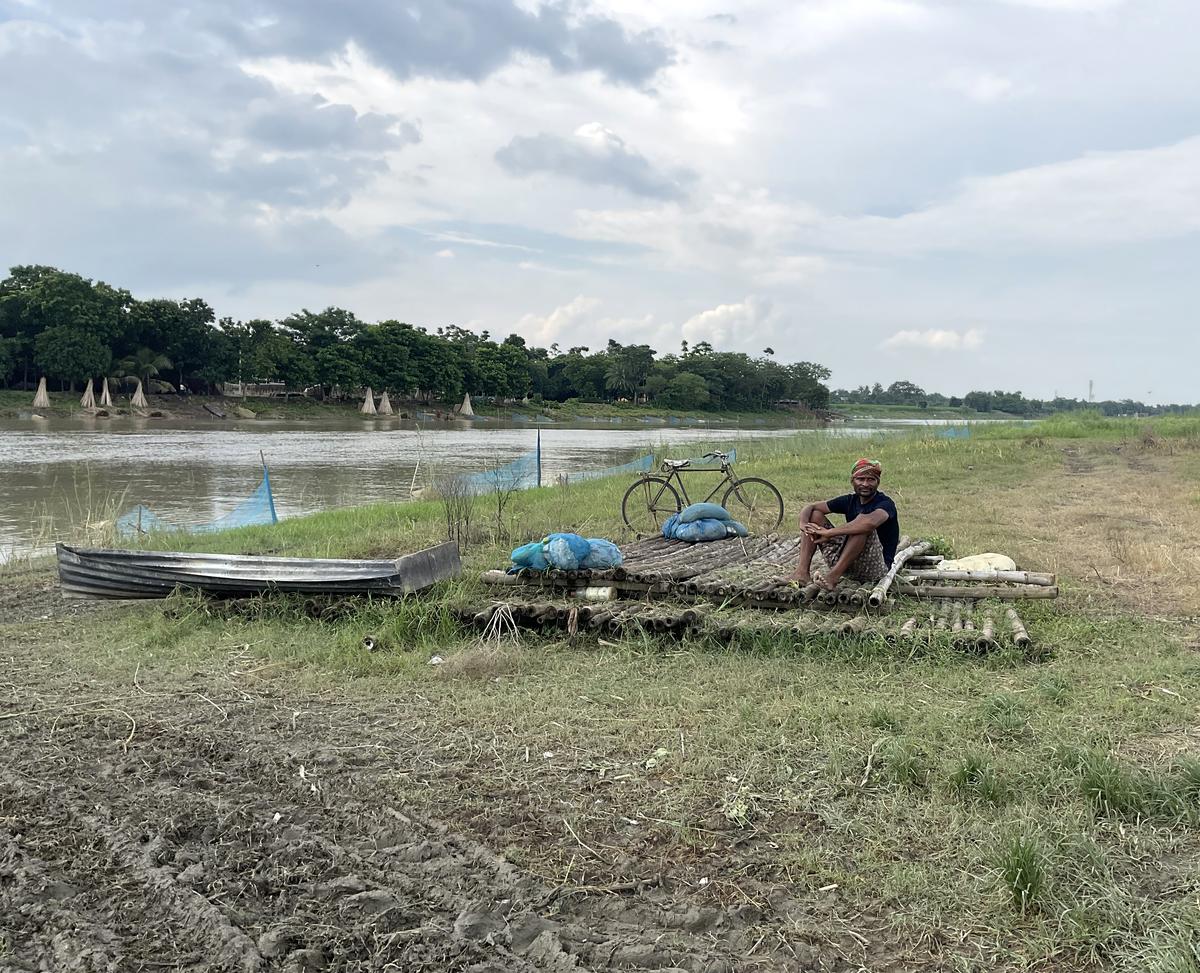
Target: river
60, 473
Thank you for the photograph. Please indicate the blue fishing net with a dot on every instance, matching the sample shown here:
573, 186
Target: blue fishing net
641, 465
256, 509
520, 474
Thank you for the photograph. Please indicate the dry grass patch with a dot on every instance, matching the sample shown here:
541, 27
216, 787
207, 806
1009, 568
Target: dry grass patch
1103, 517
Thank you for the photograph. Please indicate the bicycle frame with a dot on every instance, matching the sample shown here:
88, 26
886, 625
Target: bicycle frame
676, 473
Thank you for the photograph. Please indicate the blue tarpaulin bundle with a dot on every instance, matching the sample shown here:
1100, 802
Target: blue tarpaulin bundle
702, 522
566, 552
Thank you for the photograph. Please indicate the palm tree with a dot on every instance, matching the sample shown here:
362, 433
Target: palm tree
143, 364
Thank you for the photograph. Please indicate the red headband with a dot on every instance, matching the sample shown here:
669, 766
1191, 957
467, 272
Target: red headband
867, 466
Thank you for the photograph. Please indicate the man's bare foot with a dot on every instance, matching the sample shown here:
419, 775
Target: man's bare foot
798, 578
828, 583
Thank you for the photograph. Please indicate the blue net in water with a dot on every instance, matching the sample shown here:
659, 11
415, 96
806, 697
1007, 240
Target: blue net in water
521, 474
256, 509
641, 465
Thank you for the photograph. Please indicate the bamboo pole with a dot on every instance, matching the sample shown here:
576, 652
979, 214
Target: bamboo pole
942, 617
1009, 592
880, 591
1017, 577
1020, 635
987, 636
810, 592
852, 626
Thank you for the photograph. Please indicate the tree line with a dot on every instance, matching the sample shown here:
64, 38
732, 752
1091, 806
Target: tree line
906, 393
69, 329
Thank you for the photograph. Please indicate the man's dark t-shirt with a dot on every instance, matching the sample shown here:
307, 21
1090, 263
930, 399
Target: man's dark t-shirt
889, 531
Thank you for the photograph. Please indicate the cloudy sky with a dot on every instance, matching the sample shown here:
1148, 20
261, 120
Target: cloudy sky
961, 193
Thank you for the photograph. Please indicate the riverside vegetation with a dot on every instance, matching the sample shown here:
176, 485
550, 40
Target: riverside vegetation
852, 804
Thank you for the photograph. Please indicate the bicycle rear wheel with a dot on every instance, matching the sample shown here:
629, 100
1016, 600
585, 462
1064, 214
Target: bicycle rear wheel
756, 503
647, 503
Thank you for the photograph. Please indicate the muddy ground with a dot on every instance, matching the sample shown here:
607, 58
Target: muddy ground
230, 822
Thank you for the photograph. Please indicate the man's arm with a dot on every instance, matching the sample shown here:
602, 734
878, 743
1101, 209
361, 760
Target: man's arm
862, 524
819, 507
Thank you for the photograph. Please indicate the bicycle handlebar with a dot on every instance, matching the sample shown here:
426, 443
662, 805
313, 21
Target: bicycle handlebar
716, 454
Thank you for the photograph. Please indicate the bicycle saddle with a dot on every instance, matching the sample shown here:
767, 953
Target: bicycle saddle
677, 463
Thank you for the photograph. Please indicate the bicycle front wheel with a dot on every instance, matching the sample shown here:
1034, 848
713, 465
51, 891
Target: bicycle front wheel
755, 503
649, 502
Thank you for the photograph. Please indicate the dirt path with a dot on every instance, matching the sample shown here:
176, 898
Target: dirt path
203, 830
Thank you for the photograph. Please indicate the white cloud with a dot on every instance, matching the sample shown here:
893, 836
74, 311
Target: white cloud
985, 87
447, 254
560, 323
936, 339
1069, 6
1099, 199
729, 326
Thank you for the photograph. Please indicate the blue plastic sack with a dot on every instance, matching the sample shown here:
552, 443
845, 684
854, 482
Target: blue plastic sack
669, 525
736, 529
578, 545
603, 554
560, 555
530, 556
706, 529
703, 511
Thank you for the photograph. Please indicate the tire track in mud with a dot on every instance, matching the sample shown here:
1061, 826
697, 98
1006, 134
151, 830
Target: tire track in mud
241, 861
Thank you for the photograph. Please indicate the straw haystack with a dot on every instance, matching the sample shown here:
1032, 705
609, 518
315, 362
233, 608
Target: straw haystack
139, 397
105, 398
385, 405
465, 409
368, 406
42, 399
89, 398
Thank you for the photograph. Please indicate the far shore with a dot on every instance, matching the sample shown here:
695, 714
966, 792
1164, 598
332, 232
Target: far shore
19, 404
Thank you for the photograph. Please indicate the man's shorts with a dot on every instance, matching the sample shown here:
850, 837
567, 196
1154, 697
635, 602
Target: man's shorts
868, 566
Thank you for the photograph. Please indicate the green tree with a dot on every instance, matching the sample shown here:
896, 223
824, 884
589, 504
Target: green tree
144, 364
628, 366
181, 329
904, 393
71, 355
387, 356
687, 390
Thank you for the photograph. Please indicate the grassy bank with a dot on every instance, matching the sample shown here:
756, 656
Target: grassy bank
916, 809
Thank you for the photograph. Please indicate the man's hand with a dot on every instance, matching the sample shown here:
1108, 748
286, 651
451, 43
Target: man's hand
818, 534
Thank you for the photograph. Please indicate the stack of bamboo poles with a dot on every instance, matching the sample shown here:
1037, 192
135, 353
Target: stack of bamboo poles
966, 630
924, 577
970, 629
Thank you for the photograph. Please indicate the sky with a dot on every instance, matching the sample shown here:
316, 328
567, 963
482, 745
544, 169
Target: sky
965, 194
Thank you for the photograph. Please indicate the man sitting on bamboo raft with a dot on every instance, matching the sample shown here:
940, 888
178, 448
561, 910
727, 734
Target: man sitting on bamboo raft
863, 547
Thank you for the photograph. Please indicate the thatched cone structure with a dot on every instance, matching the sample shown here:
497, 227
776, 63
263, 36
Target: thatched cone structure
139, 397
368, 406
385, 405
89, 398
465, 409
105, 397
42, 399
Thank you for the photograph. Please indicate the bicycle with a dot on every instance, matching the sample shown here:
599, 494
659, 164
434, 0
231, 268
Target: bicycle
751, 500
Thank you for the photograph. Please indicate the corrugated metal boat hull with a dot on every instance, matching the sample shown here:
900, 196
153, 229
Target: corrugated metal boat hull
104, 573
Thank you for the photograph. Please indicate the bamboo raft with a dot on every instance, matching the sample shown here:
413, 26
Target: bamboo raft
752, 572
956, 623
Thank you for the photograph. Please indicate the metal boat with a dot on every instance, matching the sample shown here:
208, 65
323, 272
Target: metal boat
107, 573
